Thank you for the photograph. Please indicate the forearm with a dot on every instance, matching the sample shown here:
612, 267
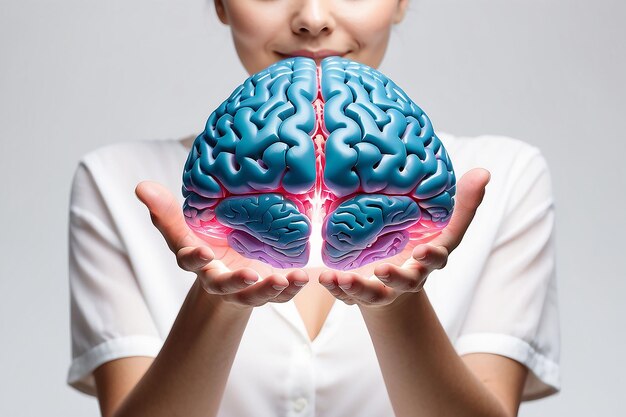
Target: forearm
188, 376
423, 373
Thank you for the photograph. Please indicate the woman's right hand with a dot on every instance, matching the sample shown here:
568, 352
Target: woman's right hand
230, 276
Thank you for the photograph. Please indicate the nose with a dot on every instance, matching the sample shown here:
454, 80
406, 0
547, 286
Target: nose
312, 17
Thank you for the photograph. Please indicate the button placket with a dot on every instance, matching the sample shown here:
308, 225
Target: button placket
302, 388
299, 404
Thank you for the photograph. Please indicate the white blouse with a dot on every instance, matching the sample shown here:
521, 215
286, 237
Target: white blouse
497, 293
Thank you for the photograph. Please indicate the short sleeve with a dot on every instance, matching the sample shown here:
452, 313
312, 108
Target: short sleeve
109, 316
514, 311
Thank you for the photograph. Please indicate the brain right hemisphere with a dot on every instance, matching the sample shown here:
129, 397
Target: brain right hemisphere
339, 146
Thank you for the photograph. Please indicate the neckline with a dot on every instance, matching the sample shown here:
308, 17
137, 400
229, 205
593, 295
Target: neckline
289, 312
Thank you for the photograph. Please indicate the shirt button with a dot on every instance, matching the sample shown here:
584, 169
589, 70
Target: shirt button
300, 404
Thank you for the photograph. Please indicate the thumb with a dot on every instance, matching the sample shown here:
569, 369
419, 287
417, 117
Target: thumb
166, 214
470, 193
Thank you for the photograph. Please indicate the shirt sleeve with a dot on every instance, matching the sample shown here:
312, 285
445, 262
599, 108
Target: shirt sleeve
514, 312
109, 317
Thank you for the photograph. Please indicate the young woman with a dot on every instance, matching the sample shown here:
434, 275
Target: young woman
209, 333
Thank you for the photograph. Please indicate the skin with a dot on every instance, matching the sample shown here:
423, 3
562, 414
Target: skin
389, 294
264, 31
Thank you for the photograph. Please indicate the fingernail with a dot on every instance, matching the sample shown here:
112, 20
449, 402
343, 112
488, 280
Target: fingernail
345, 286
299, 283
423, 257
383, 278
249, 282
278, 287
328, 285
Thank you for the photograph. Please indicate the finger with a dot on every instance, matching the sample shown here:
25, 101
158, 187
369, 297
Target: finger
470, 193
410, 277
217, 279
194, 258
167, 215
298, 277
261, 292
329, 280
431, 257
297, 280
367, 291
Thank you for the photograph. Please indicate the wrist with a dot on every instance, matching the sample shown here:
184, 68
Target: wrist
401, 302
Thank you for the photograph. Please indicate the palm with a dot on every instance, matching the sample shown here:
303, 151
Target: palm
225, 271
221, 270
407, 272
233, 260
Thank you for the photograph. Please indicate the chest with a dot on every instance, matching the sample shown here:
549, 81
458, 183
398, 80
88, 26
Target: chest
313, 303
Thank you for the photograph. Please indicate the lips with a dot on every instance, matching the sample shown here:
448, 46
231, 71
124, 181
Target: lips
321, 54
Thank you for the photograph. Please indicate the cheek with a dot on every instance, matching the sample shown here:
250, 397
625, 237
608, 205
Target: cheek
369, 27
254, 30
254, 26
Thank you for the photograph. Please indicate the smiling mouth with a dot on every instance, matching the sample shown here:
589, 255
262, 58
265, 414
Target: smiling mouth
317, 55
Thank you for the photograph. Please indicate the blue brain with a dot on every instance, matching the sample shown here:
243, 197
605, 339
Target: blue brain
339, 145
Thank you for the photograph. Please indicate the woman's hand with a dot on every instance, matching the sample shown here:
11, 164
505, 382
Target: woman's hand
243, 286
392, 280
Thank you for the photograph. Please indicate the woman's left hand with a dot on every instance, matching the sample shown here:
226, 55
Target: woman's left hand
391, 281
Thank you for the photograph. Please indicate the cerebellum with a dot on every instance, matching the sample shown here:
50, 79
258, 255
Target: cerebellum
339, 146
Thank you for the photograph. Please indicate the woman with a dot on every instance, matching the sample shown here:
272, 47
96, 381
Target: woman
462, 344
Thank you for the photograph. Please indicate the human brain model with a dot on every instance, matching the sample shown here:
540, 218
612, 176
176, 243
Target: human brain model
337, 150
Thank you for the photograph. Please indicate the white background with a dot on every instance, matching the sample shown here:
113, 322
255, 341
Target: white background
78, 74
